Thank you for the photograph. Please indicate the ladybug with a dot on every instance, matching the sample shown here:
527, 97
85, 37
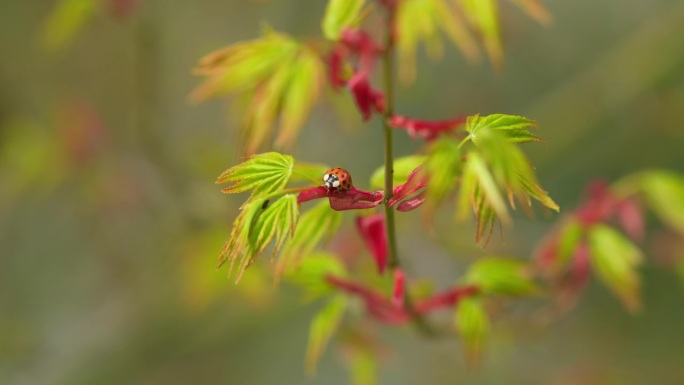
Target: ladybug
337, 179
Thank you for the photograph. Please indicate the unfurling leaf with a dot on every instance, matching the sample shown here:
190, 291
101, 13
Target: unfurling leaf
66, 20
615, 258
420, 21
472, 323
263, 173
402, 168
323, 327
340, 15
484, 16
282, 76
442, 168
257, 225
315, 226
502, 276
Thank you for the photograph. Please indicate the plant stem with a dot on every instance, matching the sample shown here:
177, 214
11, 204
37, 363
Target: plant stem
388, 89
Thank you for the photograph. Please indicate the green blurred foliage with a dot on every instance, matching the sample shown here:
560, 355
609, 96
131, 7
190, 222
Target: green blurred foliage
111, 222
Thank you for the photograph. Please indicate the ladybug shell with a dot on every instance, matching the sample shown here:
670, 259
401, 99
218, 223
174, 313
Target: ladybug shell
337, 179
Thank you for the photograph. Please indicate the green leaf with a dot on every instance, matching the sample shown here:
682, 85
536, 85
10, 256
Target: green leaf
484, 16
309, 172
340, 15
443, 166
237, 247
402, 168
472, 324
315, 226
487, 187
503, 276
323, 327
420, 22
569, 239
363, 368
614, 259
277, 221
66, 20
306, 74
663, 191
255, 227
514, 128
262, 173
279, 76
311, 274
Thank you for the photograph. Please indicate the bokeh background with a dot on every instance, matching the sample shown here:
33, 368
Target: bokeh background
110, 222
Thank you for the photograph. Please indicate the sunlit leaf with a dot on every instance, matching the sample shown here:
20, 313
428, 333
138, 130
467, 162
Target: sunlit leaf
500, 275
315, 226
472, 323
442, 167
402, 168
420, 22
615, 258
237, 247
514, 128
66, 20
340, 15
257, 225
484, 16
323, 327
486, 186
280, 76
277, 222
311, 274
263, 173
663, 191
306, 75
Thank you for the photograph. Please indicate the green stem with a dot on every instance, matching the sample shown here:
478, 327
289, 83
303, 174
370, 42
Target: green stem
388, 88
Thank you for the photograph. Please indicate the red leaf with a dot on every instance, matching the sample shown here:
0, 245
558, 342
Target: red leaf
446, 299
631, 217
374, 233
312, 193
398, 292
358, 41
580, 266
414, 182
427, 130
365, 96
377, 305
412, 203
335, 68
354, 199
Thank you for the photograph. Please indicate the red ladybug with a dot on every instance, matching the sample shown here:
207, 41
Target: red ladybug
337, 179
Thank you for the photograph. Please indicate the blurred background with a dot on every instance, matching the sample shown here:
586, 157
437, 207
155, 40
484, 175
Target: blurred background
110, 222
